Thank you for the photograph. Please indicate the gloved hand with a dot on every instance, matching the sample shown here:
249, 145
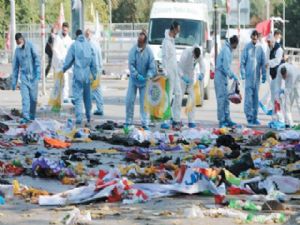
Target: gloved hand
186, 79
140, 78
234, 77
281, 92
243, 76
263, 79
200, 76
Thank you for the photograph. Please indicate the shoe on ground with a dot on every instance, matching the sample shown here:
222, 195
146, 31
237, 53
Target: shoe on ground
256, 122
223, 125
176, 126
145, 127
24, 121
192, 125
231, 123
165, 126
98, 113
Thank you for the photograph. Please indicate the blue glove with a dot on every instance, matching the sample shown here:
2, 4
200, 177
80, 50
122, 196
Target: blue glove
200, 76
140, 78
263, 79
234, 77
186, 79
281, 92
243, 76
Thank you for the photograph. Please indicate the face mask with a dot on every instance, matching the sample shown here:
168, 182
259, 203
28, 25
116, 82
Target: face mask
20, 45
140, 49
177, 35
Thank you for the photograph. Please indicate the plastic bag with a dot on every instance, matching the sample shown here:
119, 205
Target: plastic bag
234, 93
56, 95
157, 99
197, 94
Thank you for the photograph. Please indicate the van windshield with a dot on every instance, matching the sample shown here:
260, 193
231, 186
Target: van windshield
191, 31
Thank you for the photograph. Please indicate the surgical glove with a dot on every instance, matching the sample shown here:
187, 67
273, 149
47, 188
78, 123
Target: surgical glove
242, 76
200, 76
263, 79
186, 79
140, 78
281, 92
234, 77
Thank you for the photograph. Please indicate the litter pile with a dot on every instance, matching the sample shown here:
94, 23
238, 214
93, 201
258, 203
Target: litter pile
113, 164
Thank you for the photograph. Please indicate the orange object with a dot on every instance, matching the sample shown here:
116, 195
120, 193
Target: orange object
55, 143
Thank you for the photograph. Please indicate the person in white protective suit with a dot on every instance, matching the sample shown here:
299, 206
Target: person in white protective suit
275, 58
188, 60
170, 69
288, 81
61, 45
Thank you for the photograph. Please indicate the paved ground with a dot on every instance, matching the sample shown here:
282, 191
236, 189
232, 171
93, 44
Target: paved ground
160, 211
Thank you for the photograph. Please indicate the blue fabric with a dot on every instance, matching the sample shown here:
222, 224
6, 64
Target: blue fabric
26, 63
83, 92
223, 71
130, 99
141, 63
224, 61
98, 97
252, 65
82, 56
97, 94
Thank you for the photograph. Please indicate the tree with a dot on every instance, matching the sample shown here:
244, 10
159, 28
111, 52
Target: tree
293, 25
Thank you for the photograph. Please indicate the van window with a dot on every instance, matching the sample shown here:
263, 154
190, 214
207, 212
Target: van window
192, 31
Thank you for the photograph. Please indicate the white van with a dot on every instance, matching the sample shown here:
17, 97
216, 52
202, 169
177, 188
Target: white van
194, 24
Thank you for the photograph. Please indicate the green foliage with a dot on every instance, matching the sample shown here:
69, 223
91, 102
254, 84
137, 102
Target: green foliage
293, 25
99, 5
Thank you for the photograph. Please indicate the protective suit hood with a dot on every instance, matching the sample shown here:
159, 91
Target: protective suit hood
80, 38
167, 35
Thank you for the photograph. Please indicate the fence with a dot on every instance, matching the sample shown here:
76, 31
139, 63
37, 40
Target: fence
115, 43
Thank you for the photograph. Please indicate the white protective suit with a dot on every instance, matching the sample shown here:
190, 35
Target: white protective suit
187, 65
170, 68
273, 84
291, 87
61, 46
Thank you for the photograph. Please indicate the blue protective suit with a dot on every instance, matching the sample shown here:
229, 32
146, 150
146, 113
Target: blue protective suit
140, 63
27, 63
97, 93
223, 71
82, 56
252, 65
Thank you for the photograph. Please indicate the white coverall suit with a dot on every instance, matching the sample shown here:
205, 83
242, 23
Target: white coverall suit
291, 90
61, 46
170, 68
187, 65
273, 63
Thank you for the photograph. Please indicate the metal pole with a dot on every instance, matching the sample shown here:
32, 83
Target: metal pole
215, 31
239, 30
43, 43
267, 2
110, 14
283, 23
12, 27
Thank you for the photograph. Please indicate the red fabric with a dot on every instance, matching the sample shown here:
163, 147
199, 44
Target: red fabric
264, 27
277, 106
228, 9
237, 191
